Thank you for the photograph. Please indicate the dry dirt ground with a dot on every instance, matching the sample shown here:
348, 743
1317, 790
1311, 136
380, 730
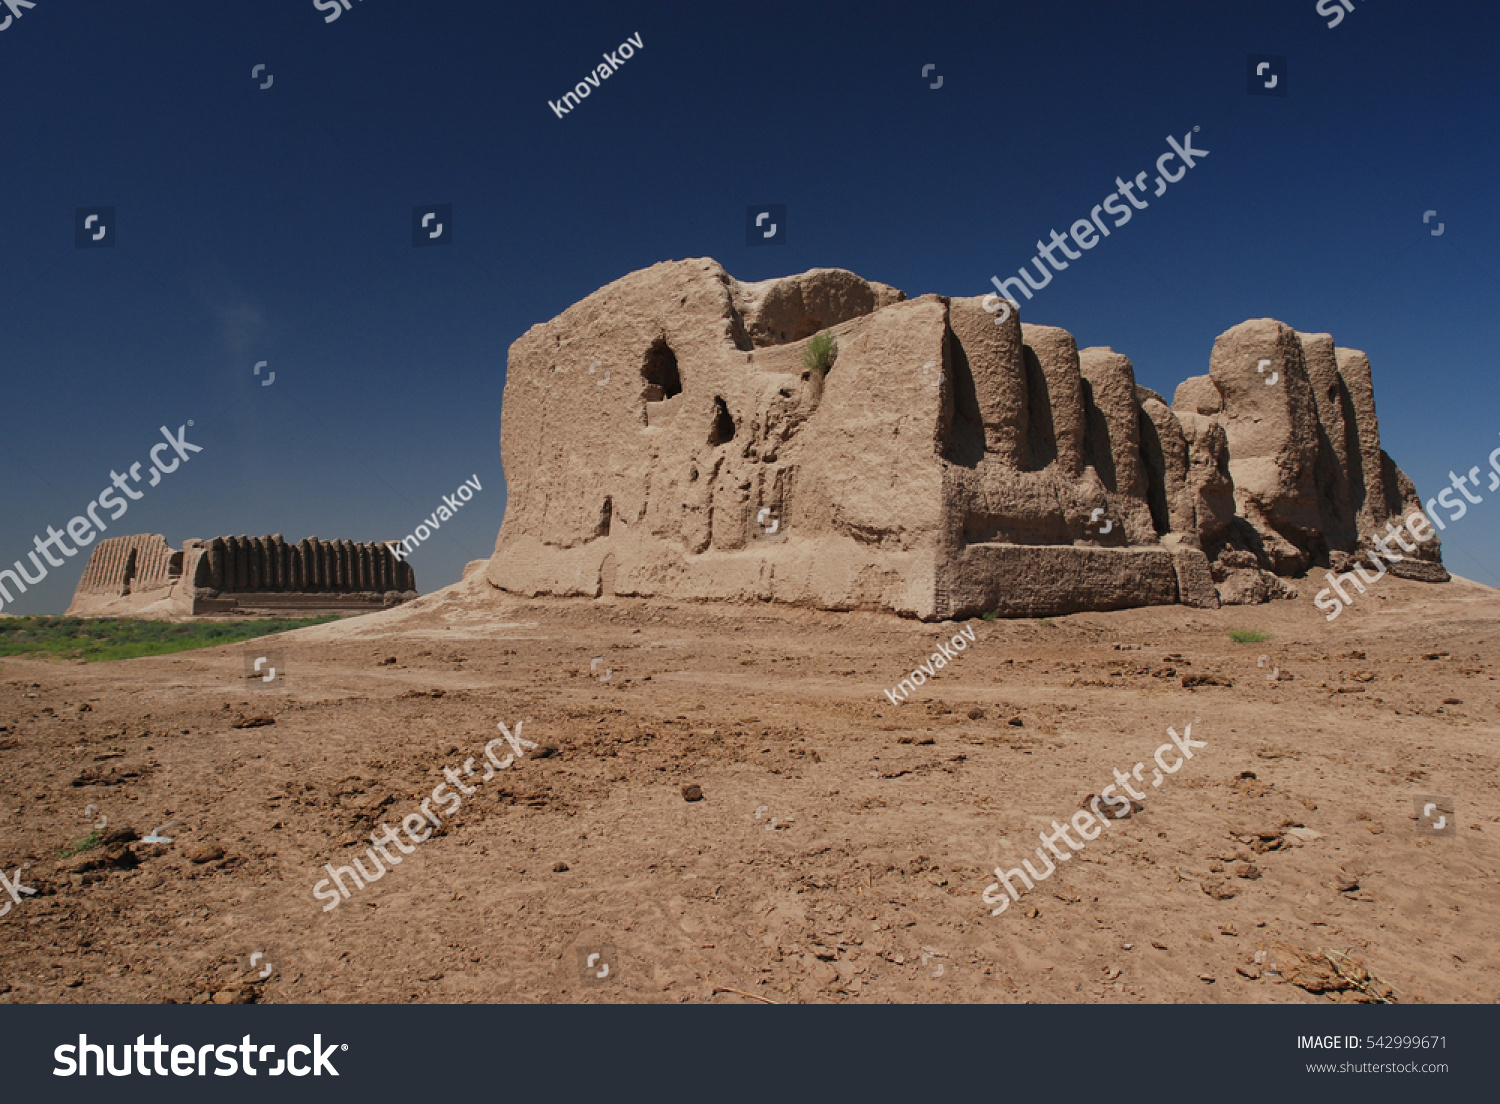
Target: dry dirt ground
841, 844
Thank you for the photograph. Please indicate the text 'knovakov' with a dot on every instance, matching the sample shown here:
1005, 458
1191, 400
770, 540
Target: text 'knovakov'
612, 61
938, 661
451, 504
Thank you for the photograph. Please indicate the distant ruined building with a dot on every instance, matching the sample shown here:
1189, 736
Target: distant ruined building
142, 575
663, 438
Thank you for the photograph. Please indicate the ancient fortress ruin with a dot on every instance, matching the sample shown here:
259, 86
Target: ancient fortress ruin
662, 438
142, 576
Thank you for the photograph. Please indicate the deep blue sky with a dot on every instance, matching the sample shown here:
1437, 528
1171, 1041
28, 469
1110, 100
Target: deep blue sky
276, 225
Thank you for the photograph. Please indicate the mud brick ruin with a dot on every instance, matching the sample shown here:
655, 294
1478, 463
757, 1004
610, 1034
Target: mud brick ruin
142, 576
662, 438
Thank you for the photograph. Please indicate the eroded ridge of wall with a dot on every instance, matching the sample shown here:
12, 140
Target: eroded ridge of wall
663, 438
118, 567
1311, 483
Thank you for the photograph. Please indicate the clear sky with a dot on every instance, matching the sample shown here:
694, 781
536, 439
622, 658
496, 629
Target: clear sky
275, 224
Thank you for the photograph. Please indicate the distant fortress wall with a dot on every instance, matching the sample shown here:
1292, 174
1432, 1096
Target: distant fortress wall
312, 565
121, 566
142, 575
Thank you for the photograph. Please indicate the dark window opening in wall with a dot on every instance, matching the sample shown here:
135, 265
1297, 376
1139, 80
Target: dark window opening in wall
723, 427
606, 517
659, 372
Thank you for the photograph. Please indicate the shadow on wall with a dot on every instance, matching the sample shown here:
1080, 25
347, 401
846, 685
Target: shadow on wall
1156, 475
965, 436
1041, 436
1098, 449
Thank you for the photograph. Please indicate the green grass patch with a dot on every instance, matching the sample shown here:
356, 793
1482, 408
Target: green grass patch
90, 841
993, 615
817, 358
1248, 636
97, 639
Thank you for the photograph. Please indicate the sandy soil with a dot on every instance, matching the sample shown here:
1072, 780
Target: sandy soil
841, 846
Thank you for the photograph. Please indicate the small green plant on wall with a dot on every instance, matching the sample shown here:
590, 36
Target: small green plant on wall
817, 358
